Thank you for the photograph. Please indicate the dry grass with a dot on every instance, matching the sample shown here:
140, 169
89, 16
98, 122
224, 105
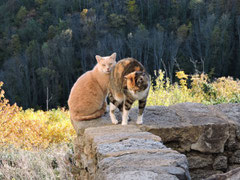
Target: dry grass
51, 163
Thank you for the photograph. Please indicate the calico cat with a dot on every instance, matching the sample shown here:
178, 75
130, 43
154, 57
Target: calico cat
129, 81
87, 97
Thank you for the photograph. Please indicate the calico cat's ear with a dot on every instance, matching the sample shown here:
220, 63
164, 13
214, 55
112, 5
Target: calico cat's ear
127, 76
98, 58
129, 79
113, 56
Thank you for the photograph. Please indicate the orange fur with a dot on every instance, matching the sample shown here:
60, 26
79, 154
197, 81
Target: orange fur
87, 97
131, 81
119, 95
137, 68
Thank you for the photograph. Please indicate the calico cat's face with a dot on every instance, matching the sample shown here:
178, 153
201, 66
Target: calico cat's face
137, 81
105, 64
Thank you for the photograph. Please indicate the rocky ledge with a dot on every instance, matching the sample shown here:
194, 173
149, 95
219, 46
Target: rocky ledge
209, 136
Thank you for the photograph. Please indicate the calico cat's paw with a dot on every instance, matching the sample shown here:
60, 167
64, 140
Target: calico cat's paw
139, 120
124, 123
114, 121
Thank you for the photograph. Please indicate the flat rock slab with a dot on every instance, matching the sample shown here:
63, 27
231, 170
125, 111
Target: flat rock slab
125, 152
197, 127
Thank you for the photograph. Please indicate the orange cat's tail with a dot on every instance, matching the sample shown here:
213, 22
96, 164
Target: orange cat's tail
96, 114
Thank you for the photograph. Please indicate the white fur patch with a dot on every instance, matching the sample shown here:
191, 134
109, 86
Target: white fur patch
140, 119
125, 116
112, 115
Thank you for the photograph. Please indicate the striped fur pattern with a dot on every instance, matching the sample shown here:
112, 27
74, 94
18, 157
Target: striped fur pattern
129, 82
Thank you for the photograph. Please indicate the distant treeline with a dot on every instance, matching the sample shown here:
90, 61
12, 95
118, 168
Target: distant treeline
45, 45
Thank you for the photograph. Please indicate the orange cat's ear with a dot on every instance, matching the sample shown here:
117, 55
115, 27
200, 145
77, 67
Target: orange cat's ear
113, 56
98, 58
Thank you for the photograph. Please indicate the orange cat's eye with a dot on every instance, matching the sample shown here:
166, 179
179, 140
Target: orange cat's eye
110, 64
103, 65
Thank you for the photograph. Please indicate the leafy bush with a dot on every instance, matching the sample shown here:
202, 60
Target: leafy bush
198, 88
29, 129
164, 93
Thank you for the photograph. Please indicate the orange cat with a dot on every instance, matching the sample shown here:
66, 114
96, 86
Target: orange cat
87, 97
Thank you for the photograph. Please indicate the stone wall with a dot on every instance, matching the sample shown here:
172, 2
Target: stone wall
209, 136
125, 152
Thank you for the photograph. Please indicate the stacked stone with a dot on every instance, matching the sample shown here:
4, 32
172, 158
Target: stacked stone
125, 152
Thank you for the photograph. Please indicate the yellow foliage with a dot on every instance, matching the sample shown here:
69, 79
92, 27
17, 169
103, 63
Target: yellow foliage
164, 93
84, 12
227, 88
197, 90
200, 90
181, 75
29, 130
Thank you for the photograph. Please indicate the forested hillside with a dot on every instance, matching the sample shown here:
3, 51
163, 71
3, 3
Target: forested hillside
45, 45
